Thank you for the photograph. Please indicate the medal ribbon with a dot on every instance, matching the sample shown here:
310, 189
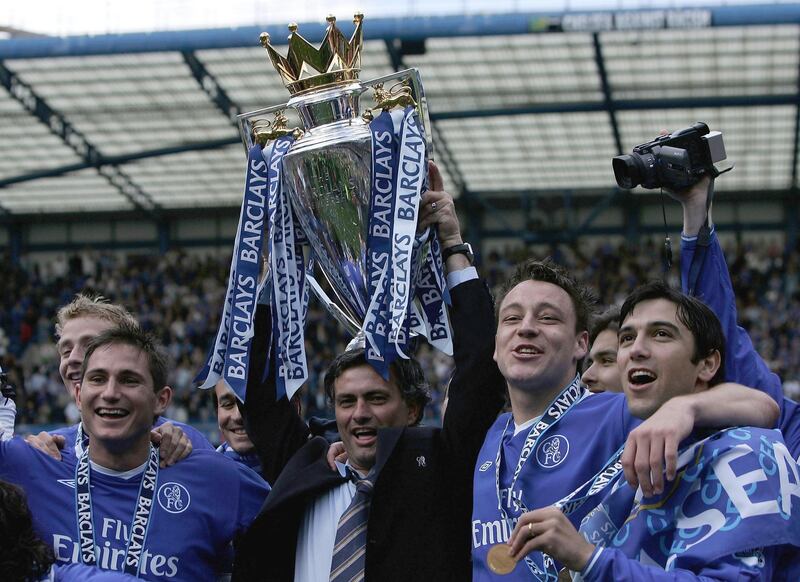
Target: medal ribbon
560, 406
140, 521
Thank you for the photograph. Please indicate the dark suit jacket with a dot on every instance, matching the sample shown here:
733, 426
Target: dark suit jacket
419, 524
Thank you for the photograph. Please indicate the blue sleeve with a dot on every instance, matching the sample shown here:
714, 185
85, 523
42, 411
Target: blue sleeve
198, 439
253, 492
714, 288
610, 564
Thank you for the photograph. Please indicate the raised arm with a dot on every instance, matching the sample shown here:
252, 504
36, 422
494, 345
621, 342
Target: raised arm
704, 273
274, 426
611, 564
476, 392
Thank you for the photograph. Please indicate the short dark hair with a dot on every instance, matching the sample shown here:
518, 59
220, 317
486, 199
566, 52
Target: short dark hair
406, 374
583, 300
130, 335
691, 312
23, 555
608, 320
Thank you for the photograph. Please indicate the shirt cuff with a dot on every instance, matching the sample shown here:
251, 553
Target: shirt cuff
585, 575
461, 276
685, 238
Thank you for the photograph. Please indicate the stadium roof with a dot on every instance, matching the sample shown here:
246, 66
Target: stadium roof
520, 103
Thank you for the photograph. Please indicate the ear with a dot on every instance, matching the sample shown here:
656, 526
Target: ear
708, 366
581, 345
163, 398
413, 413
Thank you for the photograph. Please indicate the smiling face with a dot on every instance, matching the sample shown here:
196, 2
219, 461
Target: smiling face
603, 375
118, 403
365, 402
231, 425
655, 357
537, 347
75, 335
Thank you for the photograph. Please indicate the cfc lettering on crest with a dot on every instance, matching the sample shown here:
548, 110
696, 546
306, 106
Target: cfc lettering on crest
173, 497
552, 451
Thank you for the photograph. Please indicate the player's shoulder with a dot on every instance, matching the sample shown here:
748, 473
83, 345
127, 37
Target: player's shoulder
602, 404
214, 468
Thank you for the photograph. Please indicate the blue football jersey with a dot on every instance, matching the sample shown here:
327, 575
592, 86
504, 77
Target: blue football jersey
570, 453
199, 505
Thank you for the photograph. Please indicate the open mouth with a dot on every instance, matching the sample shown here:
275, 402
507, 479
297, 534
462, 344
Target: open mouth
641, 377
364, 436
527, 351
111, 413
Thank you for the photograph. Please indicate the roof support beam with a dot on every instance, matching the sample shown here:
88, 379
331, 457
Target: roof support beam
212, 88
623, 105
117, 160
607, 94
58, 125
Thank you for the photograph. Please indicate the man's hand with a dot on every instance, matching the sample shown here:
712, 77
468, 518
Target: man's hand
336, 452
654, 445
548, 530
436, 207
173, 443
49, 444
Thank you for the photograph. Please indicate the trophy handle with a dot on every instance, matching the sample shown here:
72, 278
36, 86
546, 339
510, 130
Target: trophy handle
247, 123
414, 80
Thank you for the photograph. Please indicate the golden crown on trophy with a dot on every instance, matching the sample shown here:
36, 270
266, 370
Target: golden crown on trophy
305, 67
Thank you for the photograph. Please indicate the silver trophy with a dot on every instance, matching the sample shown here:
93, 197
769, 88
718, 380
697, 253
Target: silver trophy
327, 169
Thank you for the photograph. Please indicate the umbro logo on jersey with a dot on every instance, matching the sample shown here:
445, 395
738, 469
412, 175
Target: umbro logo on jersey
552, 452
68, 482
485, 466
174, 497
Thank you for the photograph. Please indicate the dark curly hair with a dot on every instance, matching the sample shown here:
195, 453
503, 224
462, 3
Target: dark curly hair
406, 374
23, 556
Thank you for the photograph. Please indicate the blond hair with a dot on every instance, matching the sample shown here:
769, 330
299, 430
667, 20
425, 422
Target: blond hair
97, 306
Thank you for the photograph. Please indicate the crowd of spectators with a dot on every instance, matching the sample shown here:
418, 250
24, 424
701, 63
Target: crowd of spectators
178, 296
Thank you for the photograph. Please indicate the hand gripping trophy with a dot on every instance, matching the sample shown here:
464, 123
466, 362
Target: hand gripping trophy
340, 193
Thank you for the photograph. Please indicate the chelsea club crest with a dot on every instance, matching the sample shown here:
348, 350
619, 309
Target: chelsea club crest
552, 452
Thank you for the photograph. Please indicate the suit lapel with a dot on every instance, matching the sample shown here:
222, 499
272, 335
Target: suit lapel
307, 473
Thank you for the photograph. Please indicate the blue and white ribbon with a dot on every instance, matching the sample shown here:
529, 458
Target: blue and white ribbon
289, 285
229, 355
411, 171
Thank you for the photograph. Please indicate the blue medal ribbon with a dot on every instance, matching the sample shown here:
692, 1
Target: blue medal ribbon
558, 408
140, 521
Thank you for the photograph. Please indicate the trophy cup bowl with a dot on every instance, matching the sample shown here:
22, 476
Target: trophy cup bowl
327, 169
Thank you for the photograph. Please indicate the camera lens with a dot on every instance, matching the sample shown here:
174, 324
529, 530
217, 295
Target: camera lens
627, 170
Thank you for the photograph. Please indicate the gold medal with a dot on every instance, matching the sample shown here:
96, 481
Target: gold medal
499, 560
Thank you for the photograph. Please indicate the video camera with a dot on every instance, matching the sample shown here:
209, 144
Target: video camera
674, 161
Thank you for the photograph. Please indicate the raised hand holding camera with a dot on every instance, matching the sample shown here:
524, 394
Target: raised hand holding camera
675, 161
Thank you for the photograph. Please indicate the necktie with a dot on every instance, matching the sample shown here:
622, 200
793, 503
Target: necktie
347, 563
